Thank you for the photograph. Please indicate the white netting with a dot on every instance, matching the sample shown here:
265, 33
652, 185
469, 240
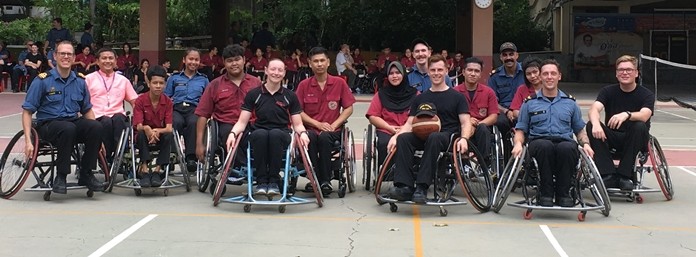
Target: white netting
669, 81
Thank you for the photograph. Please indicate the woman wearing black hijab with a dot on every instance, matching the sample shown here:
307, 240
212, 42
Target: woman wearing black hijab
390, 106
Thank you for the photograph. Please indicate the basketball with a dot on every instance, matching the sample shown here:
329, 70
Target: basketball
424, 125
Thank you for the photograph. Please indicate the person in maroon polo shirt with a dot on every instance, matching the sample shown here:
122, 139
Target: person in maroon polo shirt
223, 98
275, 108
209, 62
483, 105
84, 61
407, 60
532, 82
327, 102
257, 64
389, 109
152, 119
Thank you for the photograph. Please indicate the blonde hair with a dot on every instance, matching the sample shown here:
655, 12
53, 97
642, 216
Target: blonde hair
627, 58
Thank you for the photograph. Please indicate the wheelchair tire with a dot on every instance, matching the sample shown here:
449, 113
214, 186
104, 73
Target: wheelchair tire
121, 146
367, 157
203, 170
309, 171
181, 160
660, 167
479, 193
506, 181
351, 175
14, 166
593, 180
497, 154
222, 176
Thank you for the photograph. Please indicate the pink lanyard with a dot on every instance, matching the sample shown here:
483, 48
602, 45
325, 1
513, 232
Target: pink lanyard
108, 89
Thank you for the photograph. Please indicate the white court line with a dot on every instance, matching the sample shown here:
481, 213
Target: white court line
11, 115
553, 240
688, 171
105, 248
677, 115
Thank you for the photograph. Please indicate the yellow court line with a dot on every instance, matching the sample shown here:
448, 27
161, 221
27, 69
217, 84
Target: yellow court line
416, 219
418, 241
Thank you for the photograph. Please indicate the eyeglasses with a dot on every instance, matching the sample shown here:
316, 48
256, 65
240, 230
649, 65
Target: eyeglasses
65, 54
625, 70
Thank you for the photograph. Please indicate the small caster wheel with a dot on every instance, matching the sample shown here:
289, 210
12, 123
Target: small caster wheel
393, 207
443, 212
639, 199
581, 216
341, 191
527, 215
281, 209
166, 192
138, 192
247, 208
47, 196
90, 193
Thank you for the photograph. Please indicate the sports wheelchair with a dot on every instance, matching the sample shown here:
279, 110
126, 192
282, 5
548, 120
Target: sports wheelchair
371, 156
296, 164
467, 169
586, 177
15, 166
126, 163
658, 165
214, 158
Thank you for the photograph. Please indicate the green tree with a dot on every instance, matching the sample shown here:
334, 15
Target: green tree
513, 23
74, 13
189, 18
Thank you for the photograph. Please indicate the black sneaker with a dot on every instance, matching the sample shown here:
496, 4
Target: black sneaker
566, 202
625, 184
191, 165
90, 182
326, 188
402, 193
155, 179
420, 195
261, 189
273, 189
546, 201
144, 180
59, 185
610, 181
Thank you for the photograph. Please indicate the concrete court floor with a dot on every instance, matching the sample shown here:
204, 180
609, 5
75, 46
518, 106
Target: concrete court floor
186, 224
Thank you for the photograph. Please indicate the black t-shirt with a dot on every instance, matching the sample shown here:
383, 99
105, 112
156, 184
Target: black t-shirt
272, 111
616, 100
36, 58
449, 104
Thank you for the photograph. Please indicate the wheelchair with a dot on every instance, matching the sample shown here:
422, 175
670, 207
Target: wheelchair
467, 169
296, 164
497, 154
363, 81
658, 165
126, 163
370, 157
343, 163
213, 160
586, 177
15, 167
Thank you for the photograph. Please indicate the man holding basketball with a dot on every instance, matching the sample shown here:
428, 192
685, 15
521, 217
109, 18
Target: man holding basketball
453, 113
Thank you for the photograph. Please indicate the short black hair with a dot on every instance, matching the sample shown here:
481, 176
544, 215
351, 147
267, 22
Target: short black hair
158, 71
530, 62
317, 50
232, 51
59, 20
190, 50
105, 49
551, 62
165, 60
264, 25
473, 60
211, 47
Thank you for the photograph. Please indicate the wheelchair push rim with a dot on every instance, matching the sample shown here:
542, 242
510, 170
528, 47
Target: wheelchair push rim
15, 166
478, 192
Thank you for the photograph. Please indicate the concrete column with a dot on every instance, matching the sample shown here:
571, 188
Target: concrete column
219, 22
482, 37
153, 14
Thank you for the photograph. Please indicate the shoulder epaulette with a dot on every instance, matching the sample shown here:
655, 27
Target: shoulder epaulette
43, 75
571, 97
530, 97
79, 74
492, 72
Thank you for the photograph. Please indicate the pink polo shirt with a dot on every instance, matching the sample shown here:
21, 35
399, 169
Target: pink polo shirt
107, 93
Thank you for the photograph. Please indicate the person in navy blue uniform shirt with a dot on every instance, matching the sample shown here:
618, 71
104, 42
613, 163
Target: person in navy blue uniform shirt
418, 77
504, 81
185, 89
61, 101
626, 128
549, 118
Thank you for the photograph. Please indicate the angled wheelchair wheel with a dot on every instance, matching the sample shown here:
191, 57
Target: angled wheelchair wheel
15, 166
309, 170
117, 164
367, 157
181, 160
203, 170
474, 177
349, 160
660, 167
506, 181
221, 181
497, 155
591, 178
